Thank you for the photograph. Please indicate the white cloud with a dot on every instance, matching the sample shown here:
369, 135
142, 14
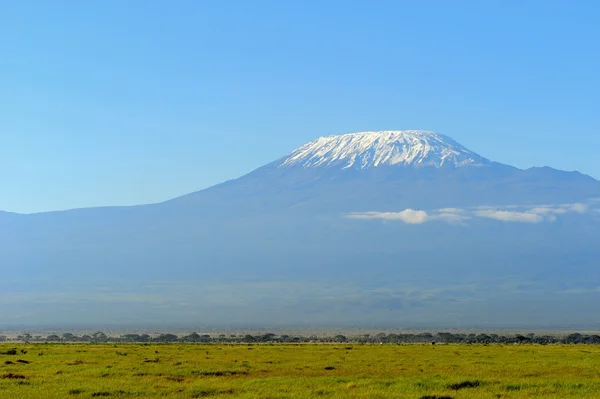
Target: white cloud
534, 214
577, 207
451, 210
412, 216
506, 213
484, 207
409, 216
547, 209
451, 217
510, 216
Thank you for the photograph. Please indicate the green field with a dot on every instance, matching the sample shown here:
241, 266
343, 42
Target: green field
299, 371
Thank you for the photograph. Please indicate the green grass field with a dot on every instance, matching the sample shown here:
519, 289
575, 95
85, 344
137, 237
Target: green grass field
299, 371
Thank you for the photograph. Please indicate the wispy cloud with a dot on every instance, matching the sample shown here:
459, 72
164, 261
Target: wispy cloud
510, 216
412, 216
578, 207
409, 216
451, 215
507, 213
548, 210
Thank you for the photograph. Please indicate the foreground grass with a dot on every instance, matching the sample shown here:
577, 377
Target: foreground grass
299, 371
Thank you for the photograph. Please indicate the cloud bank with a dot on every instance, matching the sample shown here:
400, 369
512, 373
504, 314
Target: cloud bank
409, 216
412, 216
509, 213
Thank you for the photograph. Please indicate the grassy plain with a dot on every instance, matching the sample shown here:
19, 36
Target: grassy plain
299, 371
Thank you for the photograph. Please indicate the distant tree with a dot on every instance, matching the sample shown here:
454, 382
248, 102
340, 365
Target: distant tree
266, 337
448, 337
193, 337
381, 337
394, 338
166, 338
53, 338
340, 338
545, 339
426, 337
68, 337
483, 339
99, 336
131, 338
3, 338
593, 339
521, 339
574, 338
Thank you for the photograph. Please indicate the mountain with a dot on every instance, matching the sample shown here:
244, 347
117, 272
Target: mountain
393, 228
373, 149
388, 170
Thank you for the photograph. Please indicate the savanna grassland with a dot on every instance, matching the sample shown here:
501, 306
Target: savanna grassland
299, 371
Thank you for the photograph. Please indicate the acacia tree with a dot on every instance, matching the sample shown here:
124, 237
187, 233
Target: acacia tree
99, 336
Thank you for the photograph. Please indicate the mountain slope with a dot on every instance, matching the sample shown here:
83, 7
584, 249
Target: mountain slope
401, 228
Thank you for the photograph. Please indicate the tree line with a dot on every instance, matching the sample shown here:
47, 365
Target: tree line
381, 338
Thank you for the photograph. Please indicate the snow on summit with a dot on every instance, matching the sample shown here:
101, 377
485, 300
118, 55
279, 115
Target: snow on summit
371, 149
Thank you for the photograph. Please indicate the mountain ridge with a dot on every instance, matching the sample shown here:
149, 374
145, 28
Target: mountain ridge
374, 156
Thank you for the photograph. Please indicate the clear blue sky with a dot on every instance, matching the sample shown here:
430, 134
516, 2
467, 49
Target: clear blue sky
125, 102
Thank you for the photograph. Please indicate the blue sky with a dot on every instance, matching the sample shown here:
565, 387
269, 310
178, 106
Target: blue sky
118, 103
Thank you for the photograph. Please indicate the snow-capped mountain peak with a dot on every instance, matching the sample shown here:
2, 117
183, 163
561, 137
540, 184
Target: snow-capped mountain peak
371, 149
